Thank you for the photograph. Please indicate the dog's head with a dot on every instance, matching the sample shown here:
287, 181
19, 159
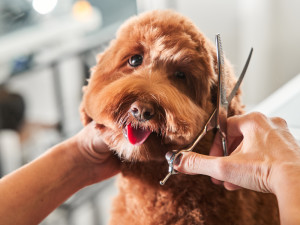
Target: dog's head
154, 87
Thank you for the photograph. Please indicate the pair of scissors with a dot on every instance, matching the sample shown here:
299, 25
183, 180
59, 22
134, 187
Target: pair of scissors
218, 118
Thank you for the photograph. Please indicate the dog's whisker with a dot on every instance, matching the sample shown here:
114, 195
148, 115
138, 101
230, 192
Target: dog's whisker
122, 121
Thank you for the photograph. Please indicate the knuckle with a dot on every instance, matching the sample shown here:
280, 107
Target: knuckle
193, 162
257, 116
260, 122
234, 118
279, 121
262, 175
228, 186
222, 169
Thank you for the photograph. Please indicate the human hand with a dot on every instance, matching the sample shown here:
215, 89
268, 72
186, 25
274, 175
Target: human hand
262, 154
94, 154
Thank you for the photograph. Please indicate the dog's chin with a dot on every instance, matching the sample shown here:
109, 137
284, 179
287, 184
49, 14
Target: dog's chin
136, 144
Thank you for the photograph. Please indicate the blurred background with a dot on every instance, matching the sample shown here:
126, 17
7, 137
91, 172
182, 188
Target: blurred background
48, 46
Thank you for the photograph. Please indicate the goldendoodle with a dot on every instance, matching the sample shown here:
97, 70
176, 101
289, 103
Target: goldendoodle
151, 91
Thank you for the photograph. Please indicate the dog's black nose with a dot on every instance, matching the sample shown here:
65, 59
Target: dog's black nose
142, 111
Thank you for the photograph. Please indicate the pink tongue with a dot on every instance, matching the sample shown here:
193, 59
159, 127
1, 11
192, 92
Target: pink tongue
137, 136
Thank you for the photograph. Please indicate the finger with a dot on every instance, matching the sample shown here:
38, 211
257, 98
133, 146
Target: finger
108, 168
229, 169
99, 146
231, 187
236, 127
279, 122
193, 163
246, 126
97, 143
241, 124
234, 133
216, 148
216, 181
232, 143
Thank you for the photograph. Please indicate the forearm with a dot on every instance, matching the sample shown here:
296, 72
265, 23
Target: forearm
28, 195
289, 205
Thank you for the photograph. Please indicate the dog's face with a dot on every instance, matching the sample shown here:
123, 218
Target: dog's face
152, 89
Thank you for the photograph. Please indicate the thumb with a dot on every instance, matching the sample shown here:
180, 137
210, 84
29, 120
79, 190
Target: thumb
217, 167
194, 163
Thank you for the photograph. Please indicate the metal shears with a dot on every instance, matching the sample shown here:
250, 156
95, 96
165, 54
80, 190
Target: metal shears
218, 118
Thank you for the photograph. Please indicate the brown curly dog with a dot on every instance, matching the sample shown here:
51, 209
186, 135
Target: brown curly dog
151, 92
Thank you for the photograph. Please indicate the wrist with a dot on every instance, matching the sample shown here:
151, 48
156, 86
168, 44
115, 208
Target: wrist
76, 163
93, 158
286, 177
286, 189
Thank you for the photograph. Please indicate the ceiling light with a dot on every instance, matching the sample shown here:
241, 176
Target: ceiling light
44, 6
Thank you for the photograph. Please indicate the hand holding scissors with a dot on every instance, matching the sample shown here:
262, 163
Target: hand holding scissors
218, 118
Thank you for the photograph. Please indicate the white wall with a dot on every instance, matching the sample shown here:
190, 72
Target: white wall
274, 29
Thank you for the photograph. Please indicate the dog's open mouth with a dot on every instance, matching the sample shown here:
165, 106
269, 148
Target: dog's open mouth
136, 135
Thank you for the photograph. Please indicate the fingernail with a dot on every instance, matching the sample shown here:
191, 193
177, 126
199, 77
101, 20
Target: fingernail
177, 160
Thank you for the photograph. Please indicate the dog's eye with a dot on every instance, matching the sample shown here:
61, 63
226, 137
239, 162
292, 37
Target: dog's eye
179, 74
135, 60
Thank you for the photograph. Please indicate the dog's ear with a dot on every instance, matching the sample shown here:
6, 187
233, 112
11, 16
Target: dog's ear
85, 119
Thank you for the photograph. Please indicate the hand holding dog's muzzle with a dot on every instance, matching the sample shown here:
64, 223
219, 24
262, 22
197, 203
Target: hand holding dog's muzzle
95, 155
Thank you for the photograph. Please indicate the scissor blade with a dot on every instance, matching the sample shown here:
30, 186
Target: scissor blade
241, 77
222, 106
222, 103
210, 124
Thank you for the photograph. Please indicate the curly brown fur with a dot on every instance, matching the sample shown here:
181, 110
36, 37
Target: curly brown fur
179, 106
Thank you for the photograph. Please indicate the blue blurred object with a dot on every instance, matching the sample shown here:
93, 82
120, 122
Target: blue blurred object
22, 64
